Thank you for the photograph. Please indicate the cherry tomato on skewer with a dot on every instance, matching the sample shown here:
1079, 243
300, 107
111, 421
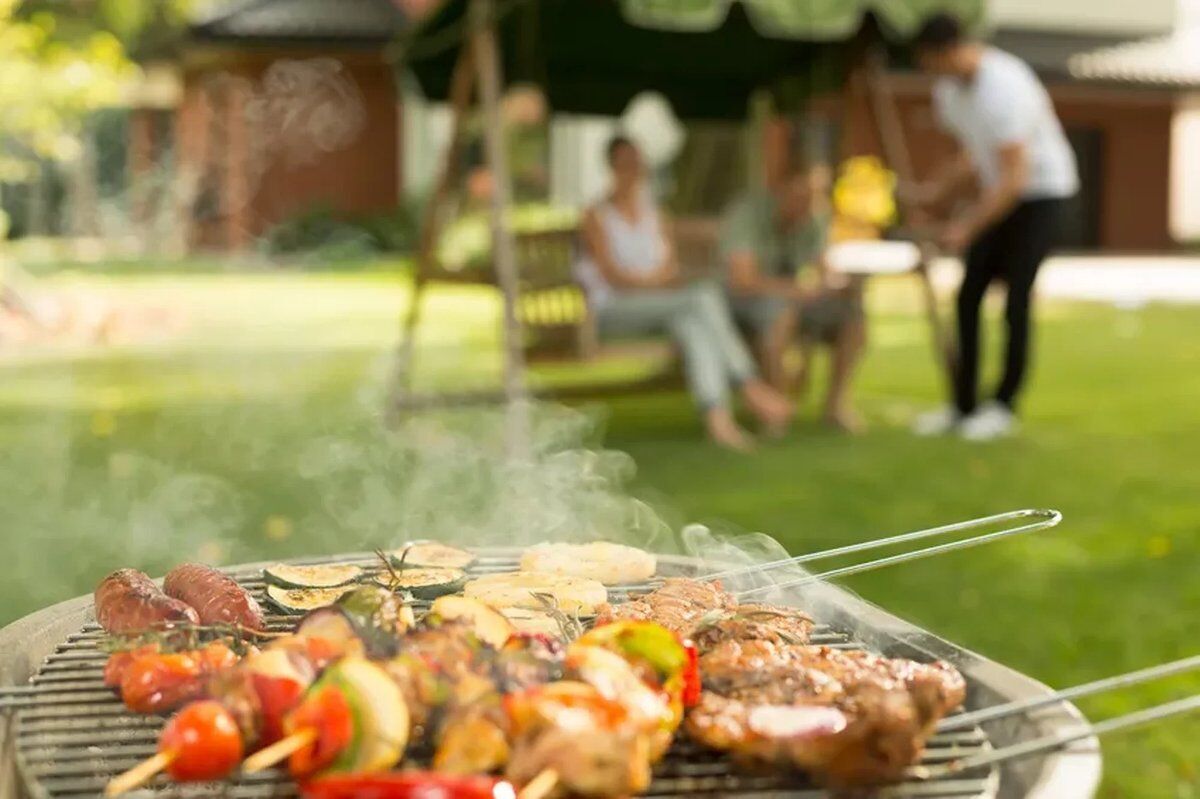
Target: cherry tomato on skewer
203, 742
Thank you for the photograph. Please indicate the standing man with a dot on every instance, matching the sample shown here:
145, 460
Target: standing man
1016, 154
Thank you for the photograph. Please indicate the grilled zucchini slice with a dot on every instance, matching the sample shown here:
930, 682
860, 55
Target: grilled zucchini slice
329, 576
302, 600
522, 589
424, 583
432, 554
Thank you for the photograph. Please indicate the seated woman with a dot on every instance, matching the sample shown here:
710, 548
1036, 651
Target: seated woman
633, 283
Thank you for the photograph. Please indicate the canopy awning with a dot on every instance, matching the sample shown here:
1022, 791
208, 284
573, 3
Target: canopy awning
707, 57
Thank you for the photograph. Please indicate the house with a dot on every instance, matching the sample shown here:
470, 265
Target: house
286, 105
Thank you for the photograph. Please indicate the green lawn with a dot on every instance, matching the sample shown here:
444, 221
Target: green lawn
254, 434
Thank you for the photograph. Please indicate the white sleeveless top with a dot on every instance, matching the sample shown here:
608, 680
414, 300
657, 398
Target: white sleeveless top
636, 247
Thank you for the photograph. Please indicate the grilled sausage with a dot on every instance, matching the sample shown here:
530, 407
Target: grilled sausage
127, 601
215, 596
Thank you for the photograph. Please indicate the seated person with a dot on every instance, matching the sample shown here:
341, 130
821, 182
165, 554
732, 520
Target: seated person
768, 239
633, 285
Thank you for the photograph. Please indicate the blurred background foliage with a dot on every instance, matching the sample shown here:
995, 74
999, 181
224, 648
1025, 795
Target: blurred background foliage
49, 83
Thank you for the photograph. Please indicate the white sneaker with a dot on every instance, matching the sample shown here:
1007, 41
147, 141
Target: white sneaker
938, 422
989, 421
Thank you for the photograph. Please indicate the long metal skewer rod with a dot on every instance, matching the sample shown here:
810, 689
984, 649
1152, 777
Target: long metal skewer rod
967, 720
1046, 519
879, 543
1051, 742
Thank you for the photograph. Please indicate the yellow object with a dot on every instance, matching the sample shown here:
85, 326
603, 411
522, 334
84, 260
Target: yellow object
1158, 546
864, 200
277, 528
104, 424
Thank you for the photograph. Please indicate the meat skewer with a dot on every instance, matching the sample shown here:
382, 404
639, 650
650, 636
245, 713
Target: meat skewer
599, 731
505, 709
206, 739
451, 682
151, 681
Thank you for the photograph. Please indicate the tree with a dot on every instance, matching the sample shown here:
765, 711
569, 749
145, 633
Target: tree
48, 87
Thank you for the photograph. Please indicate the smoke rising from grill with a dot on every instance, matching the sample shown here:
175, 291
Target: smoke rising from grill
446, 476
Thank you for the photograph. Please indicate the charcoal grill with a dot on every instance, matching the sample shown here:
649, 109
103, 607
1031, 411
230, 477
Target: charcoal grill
71, 735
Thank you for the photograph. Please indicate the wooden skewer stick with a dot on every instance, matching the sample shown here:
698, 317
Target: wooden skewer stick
278, 751
540, 786
140, 774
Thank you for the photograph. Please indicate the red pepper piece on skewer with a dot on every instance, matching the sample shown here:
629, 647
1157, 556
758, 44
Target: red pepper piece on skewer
329, 716
406, 785
691, 675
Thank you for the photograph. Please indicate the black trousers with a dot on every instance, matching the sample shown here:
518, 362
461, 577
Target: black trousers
1010, 251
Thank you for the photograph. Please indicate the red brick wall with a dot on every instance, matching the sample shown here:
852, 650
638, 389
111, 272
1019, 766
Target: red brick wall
1135, 163
1135, 126
251, 186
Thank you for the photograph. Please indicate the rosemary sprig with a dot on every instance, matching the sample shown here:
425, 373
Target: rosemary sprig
393, 575
716, 616
183, 637
569, 625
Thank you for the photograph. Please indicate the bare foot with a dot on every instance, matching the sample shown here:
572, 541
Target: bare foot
771, 407
845, 420
724, 431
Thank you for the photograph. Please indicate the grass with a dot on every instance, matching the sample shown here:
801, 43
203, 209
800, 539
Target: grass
253, 434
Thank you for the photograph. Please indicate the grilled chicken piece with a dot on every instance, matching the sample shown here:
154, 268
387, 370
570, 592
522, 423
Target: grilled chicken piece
847, 717
592, 743
525, 661
431, 662
706, 613
473, 733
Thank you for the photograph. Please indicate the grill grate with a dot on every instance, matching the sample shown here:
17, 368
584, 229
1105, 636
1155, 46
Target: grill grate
74, 734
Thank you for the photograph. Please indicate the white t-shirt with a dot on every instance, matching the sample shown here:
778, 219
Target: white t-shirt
637, 247
1002, 104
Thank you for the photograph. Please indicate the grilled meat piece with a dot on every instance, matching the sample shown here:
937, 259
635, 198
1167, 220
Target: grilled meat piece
753, 622
761, 672
589, 740
453, 684
525, 661
594, 762
706, 613
217, 597
473, 736
848, 717
432, 662
677, 605
128, 601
